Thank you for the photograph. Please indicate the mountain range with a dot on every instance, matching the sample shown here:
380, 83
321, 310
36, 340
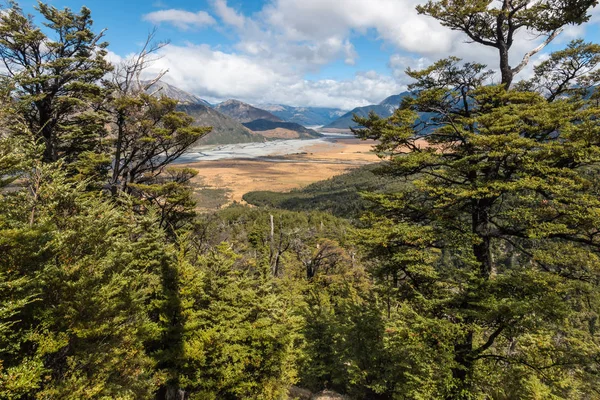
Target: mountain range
306, 116
384, 109
234, 121
228, 119
226, 130
263, 122
244, 112
280, 130
164, 89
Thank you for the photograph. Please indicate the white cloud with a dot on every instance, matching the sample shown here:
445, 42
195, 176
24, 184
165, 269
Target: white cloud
396, 21
228, 15
278, 45
399, 64
180, 18
113, 57
216, 75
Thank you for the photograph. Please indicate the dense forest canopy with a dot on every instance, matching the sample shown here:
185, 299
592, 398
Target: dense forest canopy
466, 265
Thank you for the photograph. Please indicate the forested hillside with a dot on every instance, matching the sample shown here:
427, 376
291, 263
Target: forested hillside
464, 266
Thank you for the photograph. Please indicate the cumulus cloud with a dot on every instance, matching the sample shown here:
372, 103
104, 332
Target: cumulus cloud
395, 21
217, 75
287, 39
228, 15
114, 58
181, 19
399, 64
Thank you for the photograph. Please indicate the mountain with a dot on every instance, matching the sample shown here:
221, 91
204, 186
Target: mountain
393, 102
281, 130
384, 109
225, 129
228, 119
243, 112
306, 116
183, 97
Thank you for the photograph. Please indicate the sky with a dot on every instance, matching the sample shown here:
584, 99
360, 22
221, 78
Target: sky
322, 53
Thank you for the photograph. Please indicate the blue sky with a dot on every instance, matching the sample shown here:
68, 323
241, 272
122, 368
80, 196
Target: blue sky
332, 53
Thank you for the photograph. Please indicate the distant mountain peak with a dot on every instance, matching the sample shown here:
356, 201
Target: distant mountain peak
161, 88
384, 109
305, 116
244, 112
230, 102
394, 100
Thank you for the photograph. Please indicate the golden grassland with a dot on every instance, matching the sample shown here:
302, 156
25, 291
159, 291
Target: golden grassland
235, 177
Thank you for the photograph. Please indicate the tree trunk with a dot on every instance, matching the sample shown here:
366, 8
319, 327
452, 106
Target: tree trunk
46, 131
461, 372
505, 69
117, 161
480, 226
171, 393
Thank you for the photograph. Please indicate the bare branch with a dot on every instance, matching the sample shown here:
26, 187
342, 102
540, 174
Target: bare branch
533, 52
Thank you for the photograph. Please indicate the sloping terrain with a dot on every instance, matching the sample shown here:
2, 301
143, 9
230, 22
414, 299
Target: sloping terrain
183, 97
225, 129
339, 195
305, 116
244, 112
384, 109
281, 130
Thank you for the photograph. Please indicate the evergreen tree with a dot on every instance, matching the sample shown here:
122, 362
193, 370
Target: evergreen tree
148, 134
230, 332
77, 274
496, 24
55, 79
494, 238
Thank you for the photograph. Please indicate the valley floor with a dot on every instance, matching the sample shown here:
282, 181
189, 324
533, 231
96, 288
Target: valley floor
220, 182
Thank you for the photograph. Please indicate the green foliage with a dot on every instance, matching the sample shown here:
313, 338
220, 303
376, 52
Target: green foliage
494, 238
77, 274
170, 195
473, 272
570, 72
340, 195
237, 334
150, 134
54, 79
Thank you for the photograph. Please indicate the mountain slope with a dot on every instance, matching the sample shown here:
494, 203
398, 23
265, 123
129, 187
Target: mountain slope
393, 102
384, 109
243, 112
164, 89
225, 129
305, 116
280, 130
